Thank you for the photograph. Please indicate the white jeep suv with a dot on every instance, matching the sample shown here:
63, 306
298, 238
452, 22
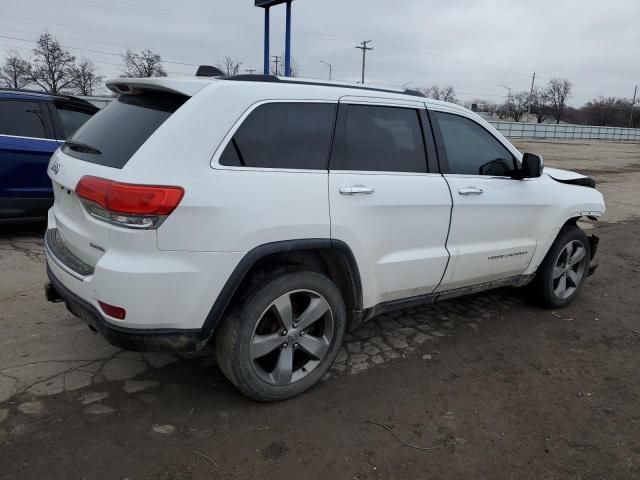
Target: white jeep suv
270, 214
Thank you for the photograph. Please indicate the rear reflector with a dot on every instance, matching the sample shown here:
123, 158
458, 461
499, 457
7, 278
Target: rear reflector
115, 312
128, 205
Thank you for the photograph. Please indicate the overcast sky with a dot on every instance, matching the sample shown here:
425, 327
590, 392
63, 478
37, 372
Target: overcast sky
474, 45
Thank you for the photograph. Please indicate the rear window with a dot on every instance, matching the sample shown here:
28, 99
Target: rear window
116, 132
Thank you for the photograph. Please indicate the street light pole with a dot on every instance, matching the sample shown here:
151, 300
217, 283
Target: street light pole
328, 65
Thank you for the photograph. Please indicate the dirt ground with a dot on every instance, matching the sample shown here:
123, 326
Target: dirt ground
489, 386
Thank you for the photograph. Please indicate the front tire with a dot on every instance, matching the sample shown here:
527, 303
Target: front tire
564, 270
282, 336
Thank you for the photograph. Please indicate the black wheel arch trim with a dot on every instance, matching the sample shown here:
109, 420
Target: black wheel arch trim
249, 260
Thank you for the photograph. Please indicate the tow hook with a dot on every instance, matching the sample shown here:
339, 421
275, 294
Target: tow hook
51, 294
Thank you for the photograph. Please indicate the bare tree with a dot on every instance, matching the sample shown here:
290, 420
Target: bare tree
52, 64
15, 71
142, 65
85, 77
446, 94
431, 92
295, 68
558, 90
519, 104
540, 104
449, 94
229, 66
606, 111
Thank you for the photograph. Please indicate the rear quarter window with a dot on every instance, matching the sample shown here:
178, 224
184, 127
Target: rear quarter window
117, 131
294, 135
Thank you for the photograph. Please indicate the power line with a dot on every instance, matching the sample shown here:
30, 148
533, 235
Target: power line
199, 45
173, 15
189, 18
97, 51
364, 48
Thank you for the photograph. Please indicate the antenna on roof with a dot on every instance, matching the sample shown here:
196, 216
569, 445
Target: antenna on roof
208, 71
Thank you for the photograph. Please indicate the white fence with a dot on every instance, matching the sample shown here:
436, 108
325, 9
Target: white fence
551, 130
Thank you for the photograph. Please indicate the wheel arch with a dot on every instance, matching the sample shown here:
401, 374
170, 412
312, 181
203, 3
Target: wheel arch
333, 258
570, 220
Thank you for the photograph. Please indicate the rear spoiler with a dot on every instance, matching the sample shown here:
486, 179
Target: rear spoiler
188, 86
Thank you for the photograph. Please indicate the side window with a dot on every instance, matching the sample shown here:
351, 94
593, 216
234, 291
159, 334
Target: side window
72, 118
283, 135
472, 150
382, 139
22, 119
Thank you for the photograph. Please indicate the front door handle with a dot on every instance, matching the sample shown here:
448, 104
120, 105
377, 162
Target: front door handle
356, 190
470, 191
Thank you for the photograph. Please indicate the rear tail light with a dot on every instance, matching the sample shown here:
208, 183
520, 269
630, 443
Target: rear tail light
128, 205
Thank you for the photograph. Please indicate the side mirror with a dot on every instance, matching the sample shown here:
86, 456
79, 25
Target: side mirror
532, 166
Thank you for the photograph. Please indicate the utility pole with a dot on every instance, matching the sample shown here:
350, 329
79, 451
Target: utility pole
328, 65
533, 81
364, 48
508, 98
277, 60
633, 104
250, 71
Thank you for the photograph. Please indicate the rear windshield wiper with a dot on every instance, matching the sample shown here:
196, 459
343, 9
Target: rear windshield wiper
81, 147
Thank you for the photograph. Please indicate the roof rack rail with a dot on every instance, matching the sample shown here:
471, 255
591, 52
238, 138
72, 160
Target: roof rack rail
245, 77
274, 79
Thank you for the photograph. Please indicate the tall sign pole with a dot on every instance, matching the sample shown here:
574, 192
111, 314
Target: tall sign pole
266, 41
267, 4
287, 43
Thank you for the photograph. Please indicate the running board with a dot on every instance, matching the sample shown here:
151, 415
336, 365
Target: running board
517, 281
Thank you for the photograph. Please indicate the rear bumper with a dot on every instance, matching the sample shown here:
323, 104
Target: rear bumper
139, 340
160, 290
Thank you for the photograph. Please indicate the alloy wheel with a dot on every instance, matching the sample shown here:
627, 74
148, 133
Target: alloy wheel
569, 269
291, 337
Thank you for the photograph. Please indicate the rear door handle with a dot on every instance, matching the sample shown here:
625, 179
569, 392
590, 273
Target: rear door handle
470, 191
356, 190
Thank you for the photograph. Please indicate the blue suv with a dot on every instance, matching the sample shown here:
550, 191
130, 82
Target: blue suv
32, 126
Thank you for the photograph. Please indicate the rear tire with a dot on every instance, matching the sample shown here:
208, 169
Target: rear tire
564, 269
282, 335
